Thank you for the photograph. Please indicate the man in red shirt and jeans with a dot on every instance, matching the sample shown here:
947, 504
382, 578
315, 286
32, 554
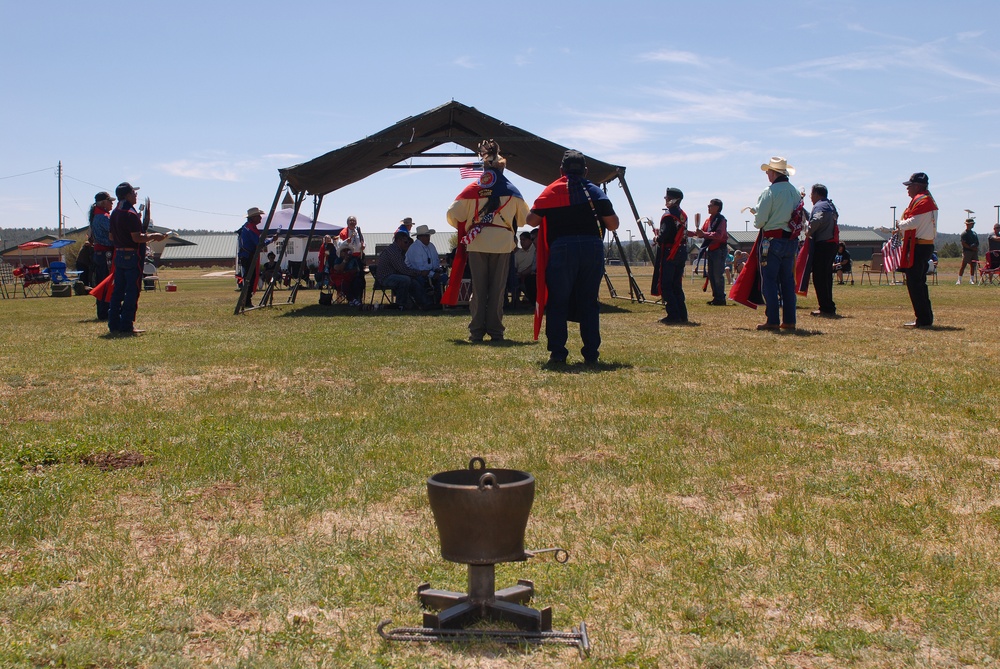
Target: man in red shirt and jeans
130, 246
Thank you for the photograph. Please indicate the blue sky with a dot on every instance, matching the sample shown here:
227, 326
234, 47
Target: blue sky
200, 103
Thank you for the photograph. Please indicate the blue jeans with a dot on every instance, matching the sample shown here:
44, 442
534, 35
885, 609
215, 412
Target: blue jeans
125, 296
716, 267
405, 287
778, 280
573, 276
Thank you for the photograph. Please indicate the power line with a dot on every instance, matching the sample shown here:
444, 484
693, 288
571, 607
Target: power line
44, 169
163, 204
197, 211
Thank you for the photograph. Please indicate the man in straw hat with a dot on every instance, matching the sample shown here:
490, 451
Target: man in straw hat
246, 248
970, 251
778, 245
423, 257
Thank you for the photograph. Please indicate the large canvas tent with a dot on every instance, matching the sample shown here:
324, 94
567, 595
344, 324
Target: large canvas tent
527, 154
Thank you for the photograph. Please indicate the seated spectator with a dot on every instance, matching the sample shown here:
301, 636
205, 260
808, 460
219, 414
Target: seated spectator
524, 268
739, 260
346, 275
423, 257
932, 263
842, 263
729, 266
406, 284
269, 271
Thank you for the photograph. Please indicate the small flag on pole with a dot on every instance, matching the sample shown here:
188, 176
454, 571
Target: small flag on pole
471, 171
892, 253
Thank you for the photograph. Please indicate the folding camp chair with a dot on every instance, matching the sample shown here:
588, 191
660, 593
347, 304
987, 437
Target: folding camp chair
150, 279
8, 284
989, 269
876, 266
34, 282
57, 272
377, 286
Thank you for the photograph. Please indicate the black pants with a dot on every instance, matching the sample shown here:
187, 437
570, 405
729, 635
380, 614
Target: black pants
822, 272
672, 291
916, 284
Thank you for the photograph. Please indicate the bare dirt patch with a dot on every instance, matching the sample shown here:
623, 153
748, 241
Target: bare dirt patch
113, 461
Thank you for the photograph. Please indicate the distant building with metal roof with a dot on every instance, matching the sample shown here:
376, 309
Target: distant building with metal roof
200, 250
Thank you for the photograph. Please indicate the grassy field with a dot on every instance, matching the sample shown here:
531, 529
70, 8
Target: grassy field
250, 491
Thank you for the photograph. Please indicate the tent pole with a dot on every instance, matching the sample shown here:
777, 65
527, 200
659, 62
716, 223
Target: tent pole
317, 202
635, 213
244, 298
635, 293
267, 298
299, 199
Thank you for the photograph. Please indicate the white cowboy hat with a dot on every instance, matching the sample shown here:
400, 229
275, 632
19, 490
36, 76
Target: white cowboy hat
779, 165
423, 230
254, 211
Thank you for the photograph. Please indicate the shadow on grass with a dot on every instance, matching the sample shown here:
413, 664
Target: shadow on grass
940, 328
341, 310
583, 367
797, 332
505, 343
612, 309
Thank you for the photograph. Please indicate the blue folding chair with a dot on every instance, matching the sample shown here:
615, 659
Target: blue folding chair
57, 272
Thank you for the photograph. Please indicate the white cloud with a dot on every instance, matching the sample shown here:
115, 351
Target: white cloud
208, 170
728, 144
523, 58
465, 61
284, 157
602, 134
645, 160
970, 35
670, 56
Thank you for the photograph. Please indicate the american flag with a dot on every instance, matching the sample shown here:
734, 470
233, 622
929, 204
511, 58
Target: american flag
892, 252
471, 171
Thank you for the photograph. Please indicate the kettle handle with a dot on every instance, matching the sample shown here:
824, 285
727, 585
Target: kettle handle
487, 480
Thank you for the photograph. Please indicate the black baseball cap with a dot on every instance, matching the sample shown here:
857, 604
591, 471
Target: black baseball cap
125, 188
574, 162
675, 194
102, 196
917, 178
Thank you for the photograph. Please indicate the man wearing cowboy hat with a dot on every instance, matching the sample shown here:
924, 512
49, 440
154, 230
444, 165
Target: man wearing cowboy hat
249, 238
970, 251
423, 257
772, 216
405, 225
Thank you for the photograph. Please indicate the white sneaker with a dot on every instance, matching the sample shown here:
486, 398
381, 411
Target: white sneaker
959, 282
